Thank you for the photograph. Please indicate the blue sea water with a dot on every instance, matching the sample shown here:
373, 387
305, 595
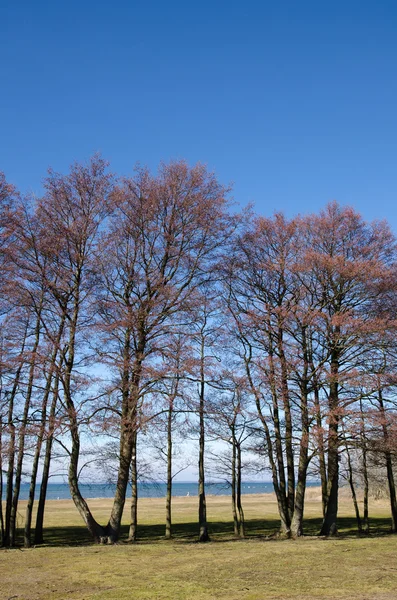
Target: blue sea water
149, 490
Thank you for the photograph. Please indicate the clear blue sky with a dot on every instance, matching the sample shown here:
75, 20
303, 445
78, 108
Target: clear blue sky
294, 101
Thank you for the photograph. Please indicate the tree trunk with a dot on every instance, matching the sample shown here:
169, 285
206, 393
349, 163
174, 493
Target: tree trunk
288, 424
389, 463
353, 490
168, 499
297, 520
329, 526
281, 483
1, 484
320, 441
12, 450
365, 471
134, 494
392, 490
236, 527
100, 534
203, 527
366, 494
39, 443
285, 526
238, 494
38, 533
131, 378
22, 433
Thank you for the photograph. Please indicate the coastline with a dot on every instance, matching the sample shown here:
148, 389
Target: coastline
313, 494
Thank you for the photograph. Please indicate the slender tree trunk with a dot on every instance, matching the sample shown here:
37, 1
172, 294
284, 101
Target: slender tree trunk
320, 440
134, 494
99, 533
288, 425
38, 533
278, 444
203, 526
168, 499
128, 439
297, 520
35, 465
39, 443
392, 490
353, 490
388, 461
1, 461
1, 484
285, 525
321, 453
329, 526
238, 493
130, 382
22, 433
236, 527
365, 472
366, 494
277, 432
12, 440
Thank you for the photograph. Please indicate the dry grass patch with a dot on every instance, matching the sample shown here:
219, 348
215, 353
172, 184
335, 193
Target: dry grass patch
257, 568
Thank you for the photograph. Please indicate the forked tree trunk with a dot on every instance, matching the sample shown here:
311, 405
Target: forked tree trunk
110, 533
128, 439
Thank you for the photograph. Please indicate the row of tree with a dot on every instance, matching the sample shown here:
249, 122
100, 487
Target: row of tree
132, 307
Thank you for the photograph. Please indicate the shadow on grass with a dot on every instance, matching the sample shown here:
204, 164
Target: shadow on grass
220, 531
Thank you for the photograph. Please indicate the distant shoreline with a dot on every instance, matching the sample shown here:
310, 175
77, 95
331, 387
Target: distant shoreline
157, 491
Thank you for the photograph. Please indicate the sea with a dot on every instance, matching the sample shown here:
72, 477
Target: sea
60, 491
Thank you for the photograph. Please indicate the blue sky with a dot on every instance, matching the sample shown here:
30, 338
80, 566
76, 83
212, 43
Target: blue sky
293, 101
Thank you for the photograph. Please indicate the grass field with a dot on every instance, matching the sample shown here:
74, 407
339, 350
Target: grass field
260, 567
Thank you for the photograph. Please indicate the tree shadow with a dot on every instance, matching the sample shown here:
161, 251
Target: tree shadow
220, 531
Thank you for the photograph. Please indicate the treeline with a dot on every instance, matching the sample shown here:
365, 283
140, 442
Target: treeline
139, 306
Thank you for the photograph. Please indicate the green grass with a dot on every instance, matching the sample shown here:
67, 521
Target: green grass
260, 567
